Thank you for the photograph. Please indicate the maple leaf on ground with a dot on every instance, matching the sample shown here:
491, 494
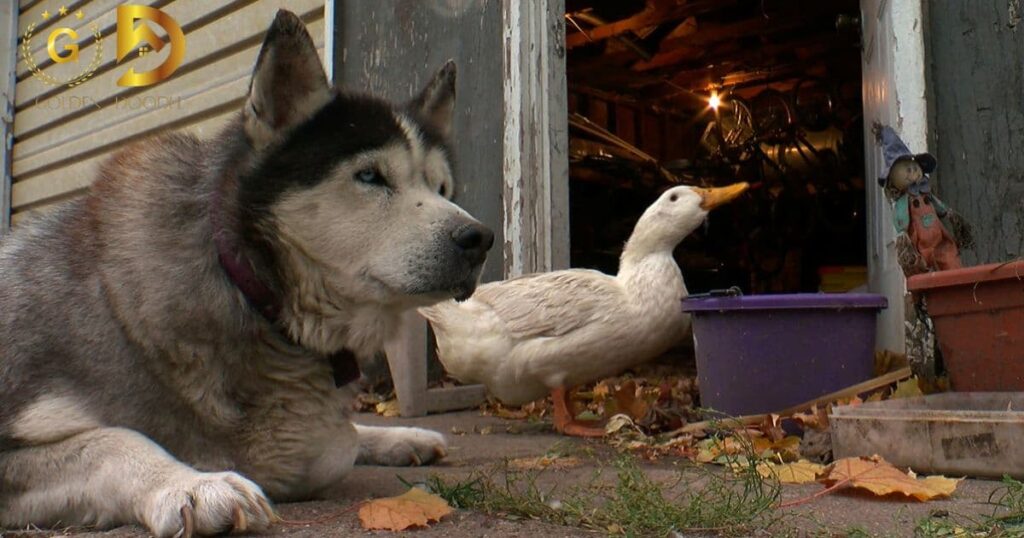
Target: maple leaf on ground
879, 477
798, 472
414, 508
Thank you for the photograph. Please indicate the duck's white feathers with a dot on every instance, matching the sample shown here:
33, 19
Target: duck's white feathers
526, 336
550, 304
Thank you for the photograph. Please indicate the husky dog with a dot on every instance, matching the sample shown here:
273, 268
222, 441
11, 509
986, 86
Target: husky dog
176, 347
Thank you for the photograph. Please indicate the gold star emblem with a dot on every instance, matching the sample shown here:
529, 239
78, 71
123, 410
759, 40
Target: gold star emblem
63, 11
46, 14
79, 14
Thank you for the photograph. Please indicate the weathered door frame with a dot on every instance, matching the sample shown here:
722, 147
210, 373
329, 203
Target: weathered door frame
8, 64
536, 138
894, 94
329, 39
536, 141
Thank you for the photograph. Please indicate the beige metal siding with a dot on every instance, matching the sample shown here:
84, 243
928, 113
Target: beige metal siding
61, 133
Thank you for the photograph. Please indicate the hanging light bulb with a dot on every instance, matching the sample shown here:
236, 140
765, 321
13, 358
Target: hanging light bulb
714, 101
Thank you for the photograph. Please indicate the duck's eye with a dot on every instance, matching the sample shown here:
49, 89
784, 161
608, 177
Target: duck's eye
370, 176
673, 198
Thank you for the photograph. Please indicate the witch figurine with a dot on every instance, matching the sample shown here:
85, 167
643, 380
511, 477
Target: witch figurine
923, 223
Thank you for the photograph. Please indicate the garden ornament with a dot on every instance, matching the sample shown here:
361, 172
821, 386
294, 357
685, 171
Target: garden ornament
923, 222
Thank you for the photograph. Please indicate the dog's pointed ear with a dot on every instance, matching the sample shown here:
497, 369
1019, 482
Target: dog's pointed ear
435, 105
288, 84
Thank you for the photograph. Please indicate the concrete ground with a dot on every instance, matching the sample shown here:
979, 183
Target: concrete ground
488, 440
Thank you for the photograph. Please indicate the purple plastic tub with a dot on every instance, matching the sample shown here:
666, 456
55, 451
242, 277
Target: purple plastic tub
764, 353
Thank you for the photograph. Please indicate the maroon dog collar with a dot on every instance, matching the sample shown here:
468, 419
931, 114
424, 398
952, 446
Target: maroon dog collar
260, 297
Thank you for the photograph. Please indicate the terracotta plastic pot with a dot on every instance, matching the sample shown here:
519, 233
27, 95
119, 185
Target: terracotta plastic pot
979, 322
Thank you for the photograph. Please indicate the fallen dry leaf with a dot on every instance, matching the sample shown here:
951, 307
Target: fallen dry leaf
626, 401
618, 422
545, 462
799, 472
853, 401
881, 478
771, 427
711, 450
908, 388
388, 408
815, 419
788, 448
414, 508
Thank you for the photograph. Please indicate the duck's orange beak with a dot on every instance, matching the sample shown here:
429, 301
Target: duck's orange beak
715, 197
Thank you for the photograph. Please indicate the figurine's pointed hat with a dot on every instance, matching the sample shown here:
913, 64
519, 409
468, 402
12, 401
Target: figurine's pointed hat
893, 149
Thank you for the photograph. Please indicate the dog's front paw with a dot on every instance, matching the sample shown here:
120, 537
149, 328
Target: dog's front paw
400, 446
202, 504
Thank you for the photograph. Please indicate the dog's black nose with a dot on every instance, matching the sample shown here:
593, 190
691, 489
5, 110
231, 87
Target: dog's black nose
474, 239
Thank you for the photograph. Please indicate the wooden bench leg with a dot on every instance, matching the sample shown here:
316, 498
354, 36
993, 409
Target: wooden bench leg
407, 359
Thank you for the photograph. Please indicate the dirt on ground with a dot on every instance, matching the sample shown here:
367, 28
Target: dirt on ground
489, 440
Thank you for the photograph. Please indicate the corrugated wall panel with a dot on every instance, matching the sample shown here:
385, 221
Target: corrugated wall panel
62, 134
72, 180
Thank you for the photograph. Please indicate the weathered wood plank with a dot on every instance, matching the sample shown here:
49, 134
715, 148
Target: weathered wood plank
652, 135
597, 112
625, 123
8, 43
535, 164
649, 17
976, 76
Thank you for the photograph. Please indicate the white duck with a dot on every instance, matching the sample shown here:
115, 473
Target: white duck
544, 332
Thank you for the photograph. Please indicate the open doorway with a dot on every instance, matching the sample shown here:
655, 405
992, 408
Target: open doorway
710, 93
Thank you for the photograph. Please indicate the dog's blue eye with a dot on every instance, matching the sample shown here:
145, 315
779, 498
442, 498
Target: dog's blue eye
369, 176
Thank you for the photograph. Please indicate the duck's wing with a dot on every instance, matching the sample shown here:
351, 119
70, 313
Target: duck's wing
552, 304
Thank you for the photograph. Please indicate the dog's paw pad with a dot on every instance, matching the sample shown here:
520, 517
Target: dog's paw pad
203, 504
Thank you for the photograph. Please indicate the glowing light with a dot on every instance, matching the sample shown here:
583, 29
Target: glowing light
714, 101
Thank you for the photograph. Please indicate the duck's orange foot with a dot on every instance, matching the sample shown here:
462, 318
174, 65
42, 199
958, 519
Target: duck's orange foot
578, 428
565, 421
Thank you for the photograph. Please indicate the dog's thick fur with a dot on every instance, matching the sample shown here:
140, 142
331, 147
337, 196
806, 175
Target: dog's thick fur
140, 382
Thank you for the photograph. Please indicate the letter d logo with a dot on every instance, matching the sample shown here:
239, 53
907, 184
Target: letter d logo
128, 36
